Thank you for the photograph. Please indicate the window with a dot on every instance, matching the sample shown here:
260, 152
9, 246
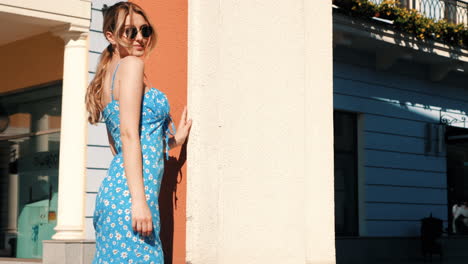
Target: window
29, 150
346, 209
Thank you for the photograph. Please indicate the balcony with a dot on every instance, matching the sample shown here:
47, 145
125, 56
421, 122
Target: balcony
357, 25
453, 11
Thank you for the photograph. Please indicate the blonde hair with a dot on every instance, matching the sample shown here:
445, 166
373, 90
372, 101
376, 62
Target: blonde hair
114, 21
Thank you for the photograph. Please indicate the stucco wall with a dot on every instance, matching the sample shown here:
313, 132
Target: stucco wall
260, 158
32, 61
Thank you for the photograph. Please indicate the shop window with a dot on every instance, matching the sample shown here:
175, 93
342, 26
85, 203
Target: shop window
29, 153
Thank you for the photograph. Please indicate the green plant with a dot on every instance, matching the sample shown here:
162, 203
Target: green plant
411, 21
388, 9
356, 8
363, 8
464, 35
407, 20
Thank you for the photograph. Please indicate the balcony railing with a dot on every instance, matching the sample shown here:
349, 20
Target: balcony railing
454, 11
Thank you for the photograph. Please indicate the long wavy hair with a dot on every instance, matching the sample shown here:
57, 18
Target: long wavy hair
114, 21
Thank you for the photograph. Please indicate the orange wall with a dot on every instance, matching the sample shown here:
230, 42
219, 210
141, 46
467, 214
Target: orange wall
32, 61
166, 68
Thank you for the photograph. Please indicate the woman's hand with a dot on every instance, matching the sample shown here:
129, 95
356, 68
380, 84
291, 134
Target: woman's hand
142, 221
183, 129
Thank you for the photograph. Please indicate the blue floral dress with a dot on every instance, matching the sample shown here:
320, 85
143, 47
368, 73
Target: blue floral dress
116, 242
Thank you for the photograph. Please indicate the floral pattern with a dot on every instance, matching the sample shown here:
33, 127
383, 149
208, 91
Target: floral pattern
116, 242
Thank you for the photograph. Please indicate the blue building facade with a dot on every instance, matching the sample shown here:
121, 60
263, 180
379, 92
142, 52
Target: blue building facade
400, 152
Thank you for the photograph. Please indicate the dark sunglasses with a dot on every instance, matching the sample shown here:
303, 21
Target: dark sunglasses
131, 32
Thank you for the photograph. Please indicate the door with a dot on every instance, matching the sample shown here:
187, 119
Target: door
457, 167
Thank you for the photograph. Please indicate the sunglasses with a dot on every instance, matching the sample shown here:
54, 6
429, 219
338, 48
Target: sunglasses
132, 32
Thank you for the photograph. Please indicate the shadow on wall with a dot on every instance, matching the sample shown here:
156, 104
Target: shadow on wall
168, 201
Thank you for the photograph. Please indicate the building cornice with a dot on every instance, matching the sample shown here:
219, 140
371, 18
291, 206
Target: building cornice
76, 13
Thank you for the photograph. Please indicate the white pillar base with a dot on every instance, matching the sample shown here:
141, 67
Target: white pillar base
67, 233
68, 252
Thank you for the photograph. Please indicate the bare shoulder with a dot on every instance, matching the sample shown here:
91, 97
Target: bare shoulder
130, 77
132, 65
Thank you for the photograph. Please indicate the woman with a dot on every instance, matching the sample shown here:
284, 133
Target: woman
126, 217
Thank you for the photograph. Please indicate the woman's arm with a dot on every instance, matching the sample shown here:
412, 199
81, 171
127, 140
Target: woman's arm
130, 96
111, 142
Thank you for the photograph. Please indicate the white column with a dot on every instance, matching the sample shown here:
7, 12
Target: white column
260, 155
72, 160
12, 226
40, 122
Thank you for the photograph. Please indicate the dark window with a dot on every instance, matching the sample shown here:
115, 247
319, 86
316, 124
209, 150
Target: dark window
30, 121
457, 169
346, 209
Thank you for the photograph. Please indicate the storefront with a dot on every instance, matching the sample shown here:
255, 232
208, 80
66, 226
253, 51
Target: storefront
43, 72
30, 143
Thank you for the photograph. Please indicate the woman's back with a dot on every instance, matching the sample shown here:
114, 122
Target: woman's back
154, 118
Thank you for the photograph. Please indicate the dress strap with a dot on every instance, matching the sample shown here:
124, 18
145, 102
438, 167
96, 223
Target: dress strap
149, 83
112, 83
